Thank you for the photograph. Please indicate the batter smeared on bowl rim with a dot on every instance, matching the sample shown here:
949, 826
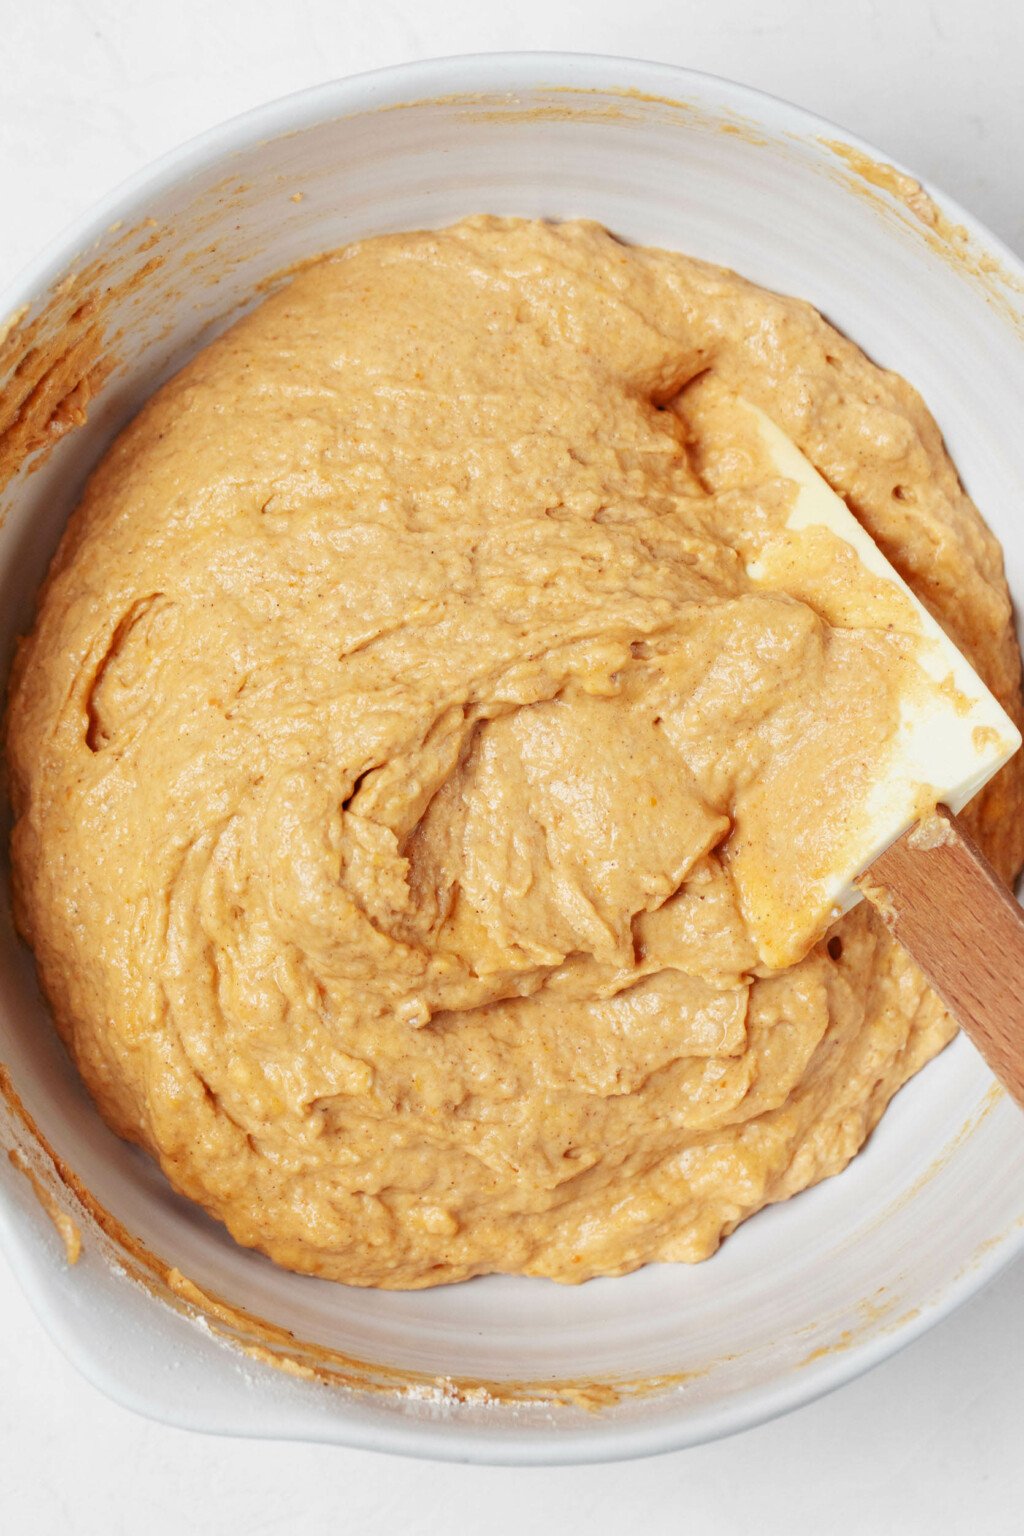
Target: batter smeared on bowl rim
397, 727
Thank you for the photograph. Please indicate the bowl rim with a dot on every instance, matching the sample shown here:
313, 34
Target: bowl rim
411, 84
468, 72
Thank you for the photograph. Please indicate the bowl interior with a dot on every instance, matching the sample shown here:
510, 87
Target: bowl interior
801, 1295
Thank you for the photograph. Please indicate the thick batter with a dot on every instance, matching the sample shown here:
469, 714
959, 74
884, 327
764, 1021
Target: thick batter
395, 730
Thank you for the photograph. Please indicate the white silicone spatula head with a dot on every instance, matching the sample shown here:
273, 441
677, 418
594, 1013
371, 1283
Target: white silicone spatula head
950, 733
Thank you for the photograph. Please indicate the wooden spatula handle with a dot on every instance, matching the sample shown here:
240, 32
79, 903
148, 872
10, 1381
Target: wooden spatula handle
940, 897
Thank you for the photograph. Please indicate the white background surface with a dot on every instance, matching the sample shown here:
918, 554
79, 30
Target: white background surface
929, 1444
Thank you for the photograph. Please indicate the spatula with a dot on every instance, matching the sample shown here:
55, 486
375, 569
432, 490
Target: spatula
911, 858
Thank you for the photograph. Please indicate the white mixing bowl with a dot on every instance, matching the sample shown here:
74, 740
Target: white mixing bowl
804, 1296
